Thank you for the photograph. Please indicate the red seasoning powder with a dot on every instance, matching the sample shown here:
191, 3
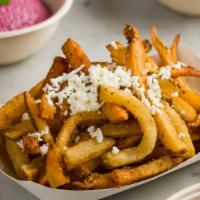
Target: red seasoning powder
22, 13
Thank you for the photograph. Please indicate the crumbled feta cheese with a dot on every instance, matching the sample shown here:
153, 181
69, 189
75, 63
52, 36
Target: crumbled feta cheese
114, 45
165, 73
115, 150
44, 149
178, 65
95, 133
37, 101
181, 135
38, 135
66, 113
174, 94
20, 144
25, 116
49, 100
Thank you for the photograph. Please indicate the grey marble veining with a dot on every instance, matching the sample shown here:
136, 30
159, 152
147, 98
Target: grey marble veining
94, 23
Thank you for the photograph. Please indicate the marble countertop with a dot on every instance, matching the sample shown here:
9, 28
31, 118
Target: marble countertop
93, 24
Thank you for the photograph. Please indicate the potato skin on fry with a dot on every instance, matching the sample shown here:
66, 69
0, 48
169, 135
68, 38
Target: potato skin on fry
155, 167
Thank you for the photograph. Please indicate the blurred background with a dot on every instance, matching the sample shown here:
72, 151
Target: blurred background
93, 24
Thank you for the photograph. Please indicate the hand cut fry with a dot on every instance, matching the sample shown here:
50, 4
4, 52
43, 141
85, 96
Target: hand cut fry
54, 171
153, 168
181, 128
174, 47
96, 181
124, 129
14, 108
46, 111
75, 55
114, 112
146, 122
187, 112
29, 172
85, 151
64, 137
185, 71
129, 141
167, 133
40, 124
20, 129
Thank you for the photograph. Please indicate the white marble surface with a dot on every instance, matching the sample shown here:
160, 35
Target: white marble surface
93, 23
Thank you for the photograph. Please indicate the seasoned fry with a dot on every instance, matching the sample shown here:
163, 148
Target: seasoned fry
181, 129
96, 181
86, 151
20, 129
75, 55
64, 137
54, 171
146, 122
153, 168
46, 111
174, 48
40, 124
185, 71
167, 133
119, 130
129, 141
114, 112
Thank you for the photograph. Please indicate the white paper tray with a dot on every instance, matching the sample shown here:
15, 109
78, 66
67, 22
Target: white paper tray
44, 193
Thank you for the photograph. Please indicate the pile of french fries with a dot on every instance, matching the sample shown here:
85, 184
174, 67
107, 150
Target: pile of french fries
48, 145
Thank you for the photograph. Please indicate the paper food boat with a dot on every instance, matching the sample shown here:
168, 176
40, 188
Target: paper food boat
186, 55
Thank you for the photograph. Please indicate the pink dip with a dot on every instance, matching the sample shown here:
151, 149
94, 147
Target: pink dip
22, 13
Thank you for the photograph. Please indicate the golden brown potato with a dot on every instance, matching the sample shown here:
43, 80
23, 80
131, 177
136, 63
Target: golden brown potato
31, 145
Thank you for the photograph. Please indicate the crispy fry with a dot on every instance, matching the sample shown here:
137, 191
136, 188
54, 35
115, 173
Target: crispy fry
54, 171
114, 112
20, 129
14, 108
119, 130
181, 128
167, 133
153, 168
129, 141
46, 111
174, 47
187, 112
185, 71
85, 169
86, 151
75, 55
96, 181
146, 122
40, 124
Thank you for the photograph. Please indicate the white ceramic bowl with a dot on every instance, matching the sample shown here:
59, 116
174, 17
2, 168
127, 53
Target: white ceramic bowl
188, 7
17, 45
189, 193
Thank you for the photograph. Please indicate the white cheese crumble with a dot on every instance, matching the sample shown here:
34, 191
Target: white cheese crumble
115, 150
20, 144
39, 135
37, 101
25, 116
165, 72
66, 113
181, 135
114, 45
44, 149
174, 94
95, 133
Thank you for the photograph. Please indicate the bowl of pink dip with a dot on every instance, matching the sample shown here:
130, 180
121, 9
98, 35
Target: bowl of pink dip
27, 25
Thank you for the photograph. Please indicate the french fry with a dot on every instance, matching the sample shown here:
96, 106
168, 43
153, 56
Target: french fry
145, 120
29, 172
129, 141
14, 108
85, 169
75, 55
195, 123
40, 124
181, 128
46, 111
54, 171
64, 137
31, 145
122, 129
20, 129
153, 168
114, 112
167, 133
85, 151
185, 71
174, 47
96, 181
